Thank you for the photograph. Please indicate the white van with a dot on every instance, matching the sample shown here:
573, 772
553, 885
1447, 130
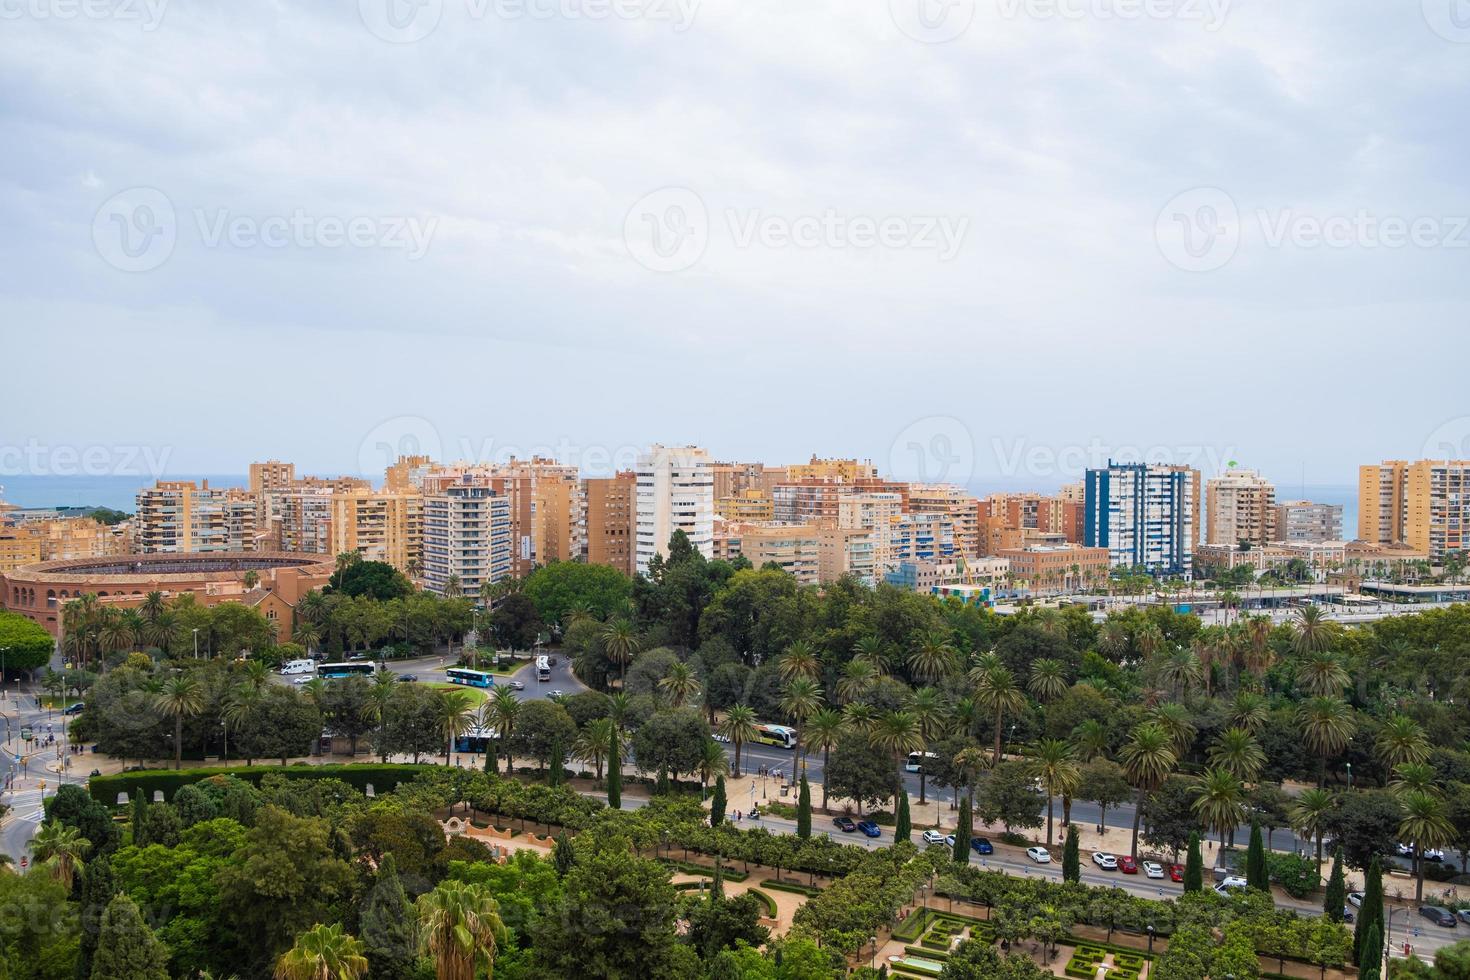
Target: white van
298, 667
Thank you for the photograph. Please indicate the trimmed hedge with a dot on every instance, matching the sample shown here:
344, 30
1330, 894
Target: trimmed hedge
731, 873
910, 929
790, 886
770, 903
358, 775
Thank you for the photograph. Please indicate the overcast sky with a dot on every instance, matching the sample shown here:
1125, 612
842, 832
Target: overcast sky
970, 239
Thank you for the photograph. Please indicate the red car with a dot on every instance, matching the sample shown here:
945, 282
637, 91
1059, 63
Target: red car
1176, 872
1127, 865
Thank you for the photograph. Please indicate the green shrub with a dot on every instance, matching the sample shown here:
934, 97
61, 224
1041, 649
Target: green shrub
770, 903
358, 775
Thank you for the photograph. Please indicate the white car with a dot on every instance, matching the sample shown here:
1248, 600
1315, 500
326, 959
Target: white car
517, 686
1355, 899
1104, 860
1153, 869
1039, 854
933, 837
1233, 883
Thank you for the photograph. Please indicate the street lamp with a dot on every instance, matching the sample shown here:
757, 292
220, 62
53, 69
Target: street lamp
196, 643
1150, 937
1350, 775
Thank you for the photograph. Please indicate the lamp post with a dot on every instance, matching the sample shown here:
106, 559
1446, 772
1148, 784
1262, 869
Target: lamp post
1150, 938
196, 643
1350, 775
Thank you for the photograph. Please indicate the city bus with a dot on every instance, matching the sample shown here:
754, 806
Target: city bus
777, 735
475, 739
355, 668
474, 678
918, 760
543, 668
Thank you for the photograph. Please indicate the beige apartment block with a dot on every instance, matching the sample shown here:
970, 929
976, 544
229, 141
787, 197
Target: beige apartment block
182, 517
1057, 568
611, 513
1424, 506
843, 470
1240, 506
958, 504
748, 506
405, 474
796, 548
846, 551
380, 526
877, 513
1302, 521
1381, 502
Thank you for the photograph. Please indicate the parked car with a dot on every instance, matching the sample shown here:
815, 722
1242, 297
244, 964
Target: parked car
1355, 899
1432, 854
933, 837
1176, 872
1464, 915
981, 845
1105, 860
1232, 883
1039, 854
869, 828
1154, 869
1437, 915
1127, 865
845, 824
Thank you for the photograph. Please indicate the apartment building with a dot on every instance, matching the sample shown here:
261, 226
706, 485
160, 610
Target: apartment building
19, 546
1302, 521
466, 537
877, 513
182, 517
380, 526
731, 479
675, 492
611, 514
1057, 567
751, 505
406, 473
1145, 515
832, 470
795, 548
846, 551
1424, 506
922, 537
560, 516
1240, 508
958, 504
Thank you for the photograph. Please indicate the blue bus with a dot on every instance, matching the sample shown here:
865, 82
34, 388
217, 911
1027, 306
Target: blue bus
354, 668
473, 678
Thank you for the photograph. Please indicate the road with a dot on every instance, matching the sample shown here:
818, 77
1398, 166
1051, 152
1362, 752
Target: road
27, 783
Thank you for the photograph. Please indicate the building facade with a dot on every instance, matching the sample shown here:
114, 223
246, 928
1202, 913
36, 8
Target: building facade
675, 493
467, 537
1302, 521
611, 514
1424, 506
1145, 515
182, 517
1240, 508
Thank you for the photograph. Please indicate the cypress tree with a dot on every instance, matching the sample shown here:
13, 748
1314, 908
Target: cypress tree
962, 834
1372, 952
902, 828
126, 947
1071, 856
492, 760
1371, 913
614, 772
717, 884
1194, 866
717, 803
1336, 895
1256, 874
804, 811
558, 764
139, 820
661, 787
386, 924
98, 889
562, 855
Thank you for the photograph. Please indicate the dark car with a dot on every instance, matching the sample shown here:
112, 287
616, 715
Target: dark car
1437, 915
981, 845
75, 709
869, 828
845, 824
407, 678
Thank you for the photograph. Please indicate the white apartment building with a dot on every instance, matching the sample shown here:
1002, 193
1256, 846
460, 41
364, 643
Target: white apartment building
878, 513
1145, 515
675, 492
466, 535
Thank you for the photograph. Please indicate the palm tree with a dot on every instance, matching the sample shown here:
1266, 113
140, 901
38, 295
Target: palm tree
1220, 804
1400, 740
1258, 655
679, 684
1426, 824
869, 649
929, 710
1177, 720
803, 699
307, 633
1313, 632
998, 694
1114, 640
712, 763
621, 643
1309, 815
1322, 675
379, 696
1148, 757
116, 633
857, 678
1057, 770
453, 588
739, 728
460, 929
898, 732
153, 605
591, 743
163, 631
64, 847
1048, 679
1415, 777
1237, 752
1148, 639
1327, 724
968, 763
453, 710
500, 712
1090, 739
182, 697
823, 731
242, 704
1249, 711
860, 717
323, 953
933, 658
799, 660
1181, 671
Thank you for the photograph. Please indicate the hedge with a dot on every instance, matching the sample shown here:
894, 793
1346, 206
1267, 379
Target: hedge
790, 886
770, 903
383, 778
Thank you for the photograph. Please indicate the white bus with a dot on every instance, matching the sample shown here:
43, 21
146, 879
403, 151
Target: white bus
298, 667
353, 668
918, 760
543, 668
777, 735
